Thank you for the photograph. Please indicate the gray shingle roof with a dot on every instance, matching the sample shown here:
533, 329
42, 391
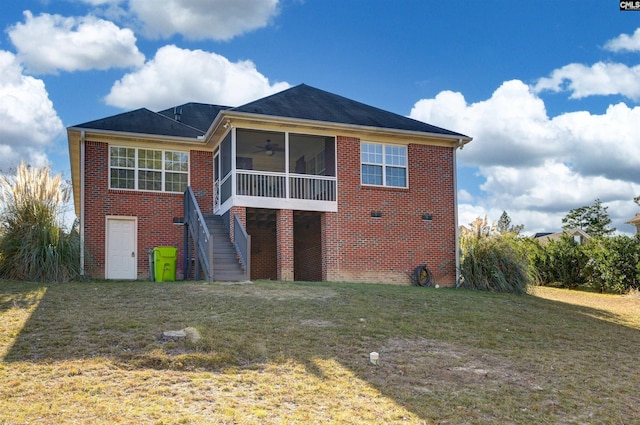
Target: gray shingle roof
299, 102
196, 115
143, 121
306, 102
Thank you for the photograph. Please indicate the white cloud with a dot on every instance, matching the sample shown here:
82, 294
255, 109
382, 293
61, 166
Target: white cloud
602, 145
538, 168
175, 76
551, 187
52, 43
625, 42
29, 122
203, 19
510, 127
464, 196
599, 79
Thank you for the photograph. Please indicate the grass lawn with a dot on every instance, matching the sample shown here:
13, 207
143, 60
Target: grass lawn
290, 353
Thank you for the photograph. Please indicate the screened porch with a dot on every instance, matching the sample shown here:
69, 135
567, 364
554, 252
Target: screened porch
270, 169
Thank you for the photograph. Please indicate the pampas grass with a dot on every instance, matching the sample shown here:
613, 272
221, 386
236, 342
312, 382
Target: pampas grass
491, 263
33, 243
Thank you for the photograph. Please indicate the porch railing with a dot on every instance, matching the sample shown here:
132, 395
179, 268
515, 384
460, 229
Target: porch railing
197, 229
242, 242
261, 183
316, 188
276, 185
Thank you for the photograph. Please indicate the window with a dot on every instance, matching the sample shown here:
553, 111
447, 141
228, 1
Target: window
148, 169
383, 165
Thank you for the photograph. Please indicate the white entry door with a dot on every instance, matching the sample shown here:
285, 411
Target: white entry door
122, 256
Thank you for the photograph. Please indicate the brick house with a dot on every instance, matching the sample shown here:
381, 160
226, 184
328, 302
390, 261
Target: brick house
327, 188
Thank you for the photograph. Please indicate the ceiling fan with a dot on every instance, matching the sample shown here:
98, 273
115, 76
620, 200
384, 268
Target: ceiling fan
268, 148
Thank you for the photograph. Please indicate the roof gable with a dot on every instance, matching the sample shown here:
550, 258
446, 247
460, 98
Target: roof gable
306, 102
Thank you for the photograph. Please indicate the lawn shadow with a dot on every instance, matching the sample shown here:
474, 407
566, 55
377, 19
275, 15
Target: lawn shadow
25, 296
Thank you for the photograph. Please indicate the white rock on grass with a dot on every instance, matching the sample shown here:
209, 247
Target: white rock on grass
191, 334
174, 334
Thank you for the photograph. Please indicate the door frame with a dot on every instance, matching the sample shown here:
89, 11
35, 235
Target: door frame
133, 219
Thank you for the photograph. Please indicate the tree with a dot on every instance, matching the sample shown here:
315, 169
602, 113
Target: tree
504, 225
637, 200
593, 219
33, 244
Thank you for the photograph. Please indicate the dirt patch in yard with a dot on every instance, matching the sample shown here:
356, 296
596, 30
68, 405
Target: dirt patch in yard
428, 366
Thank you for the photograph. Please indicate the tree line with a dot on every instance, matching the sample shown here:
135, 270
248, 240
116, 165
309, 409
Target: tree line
495, 257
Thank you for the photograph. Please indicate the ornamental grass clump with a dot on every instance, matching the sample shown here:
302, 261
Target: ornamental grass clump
33, 243
491, 263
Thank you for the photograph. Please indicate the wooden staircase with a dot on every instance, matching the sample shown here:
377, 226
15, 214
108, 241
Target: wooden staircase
226, 266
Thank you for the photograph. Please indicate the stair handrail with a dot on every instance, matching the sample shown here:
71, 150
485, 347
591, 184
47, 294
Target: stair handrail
242, 243
203, 240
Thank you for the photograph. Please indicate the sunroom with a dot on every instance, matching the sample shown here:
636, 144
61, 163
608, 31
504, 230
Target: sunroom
275, 169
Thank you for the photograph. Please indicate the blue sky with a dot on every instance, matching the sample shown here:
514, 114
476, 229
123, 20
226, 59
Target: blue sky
548, 89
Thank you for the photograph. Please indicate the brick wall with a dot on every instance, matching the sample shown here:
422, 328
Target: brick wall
284, 238
241, 212
353, 245
330, 247
201, 179
361, 248
155, 210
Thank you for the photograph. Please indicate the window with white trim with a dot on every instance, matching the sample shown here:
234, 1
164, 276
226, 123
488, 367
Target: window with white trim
383, 165
148, 169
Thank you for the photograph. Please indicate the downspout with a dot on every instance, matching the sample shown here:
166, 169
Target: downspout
81, 230
460, 145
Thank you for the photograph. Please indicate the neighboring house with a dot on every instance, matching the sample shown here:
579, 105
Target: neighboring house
579, 236
327, 188
635, 221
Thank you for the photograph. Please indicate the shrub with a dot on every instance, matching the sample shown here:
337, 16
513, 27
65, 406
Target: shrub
33, 243
614, 264
559, 262
493, 264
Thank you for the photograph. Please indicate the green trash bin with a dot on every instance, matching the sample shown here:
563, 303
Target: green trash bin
164, 263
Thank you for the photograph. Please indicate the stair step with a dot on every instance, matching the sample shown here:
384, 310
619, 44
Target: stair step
226, 258
226, 265
231, 256
227, 268
230, 277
